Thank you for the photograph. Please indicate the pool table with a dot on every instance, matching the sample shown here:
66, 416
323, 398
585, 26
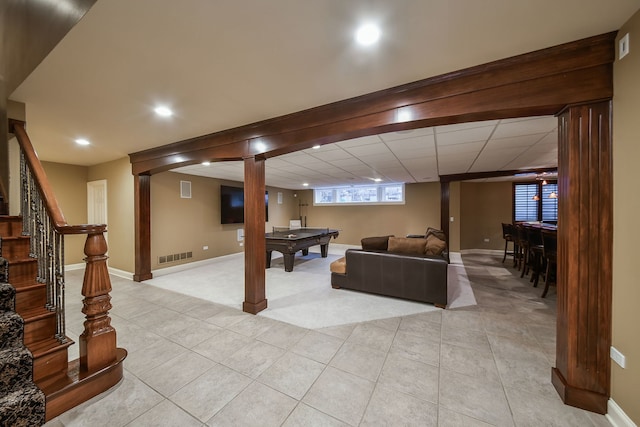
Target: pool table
290, 241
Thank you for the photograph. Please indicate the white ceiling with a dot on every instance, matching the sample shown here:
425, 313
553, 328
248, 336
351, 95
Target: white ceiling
226, 63
410, 156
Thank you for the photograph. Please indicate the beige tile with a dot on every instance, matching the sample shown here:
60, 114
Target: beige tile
292, 375
421, 326
282, 335
411, 377
462, 319
252, 326
255, 405
116, 407
164, 322
469, 362
449, 418
154, 355
165, 414
475, 398
472, 339
341, 331
318, 346
227, 317
304, 415
207, 394
253, 359
341, 395
193, 336
391, 408
416, 347
535, 410
172, 375
359, 360
390, 324
372, 336
221, 345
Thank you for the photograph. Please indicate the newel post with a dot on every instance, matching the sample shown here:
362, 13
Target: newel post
98, 341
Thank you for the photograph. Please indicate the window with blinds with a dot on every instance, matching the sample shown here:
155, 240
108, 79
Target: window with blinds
528, 207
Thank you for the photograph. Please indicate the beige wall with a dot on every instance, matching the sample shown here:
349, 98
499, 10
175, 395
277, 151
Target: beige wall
188, 225
421, 210
626, 234
120, 211
454, 211
483, 207
69, 184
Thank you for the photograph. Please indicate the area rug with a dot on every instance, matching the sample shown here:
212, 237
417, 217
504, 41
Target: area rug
304, 297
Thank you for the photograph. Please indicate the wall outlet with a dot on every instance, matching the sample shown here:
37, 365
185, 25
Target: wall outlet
241, 244
618, 357
450, 219
205, 248
486, 240
623, 46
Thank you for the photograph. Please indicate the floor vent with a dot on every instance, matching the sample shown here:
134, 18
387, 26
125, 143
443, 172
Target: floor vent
174, 257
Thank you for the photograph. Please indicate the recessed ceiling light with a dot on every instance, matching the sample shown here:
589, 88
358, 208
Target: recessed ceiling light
305, 184
82, 141
163, 111
206, 163
368, 34
315, 147
377, 179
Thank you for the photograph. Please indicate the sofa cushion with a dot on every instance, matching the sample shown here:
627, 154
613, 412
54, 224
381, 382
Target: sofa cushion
407, 245
438, 233
434, 245
339, 266
378, 243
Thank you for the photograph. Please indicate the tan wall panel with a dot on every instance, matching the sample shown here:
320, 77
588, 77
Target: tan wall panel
626, 233
188, 225
483, 208
120, 211
69, 184
454, 211
421, 210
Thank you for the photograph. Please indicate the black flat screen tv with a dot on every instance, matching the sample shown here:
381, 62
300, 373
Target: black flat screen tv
232, 205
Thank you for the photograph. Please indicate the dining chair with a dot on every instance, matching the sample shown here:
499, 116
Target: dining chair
550, 251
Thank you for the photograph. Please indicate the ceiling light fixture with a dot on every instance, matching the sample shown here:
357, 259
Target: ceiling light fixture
82, 141
206, 163
553, 195
368, 34
163, 111
315, 147
377, 179
305, 184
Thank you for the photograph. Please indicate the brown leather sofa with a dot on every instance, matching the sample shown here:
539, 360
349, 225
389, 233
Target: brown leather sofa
417, 277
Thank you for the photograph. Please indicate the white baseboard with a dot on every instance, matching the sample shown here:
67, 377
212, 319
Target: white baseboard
120, 273
617, 417
483, 251
189, 265
78, 266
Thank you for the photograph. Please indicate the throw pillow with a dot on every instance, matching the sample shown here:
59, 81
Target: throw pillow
434, 245
379, 243
407, 245
438, 233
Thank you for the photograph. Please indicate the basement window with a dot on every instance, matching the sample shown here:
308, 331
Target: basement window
385, 194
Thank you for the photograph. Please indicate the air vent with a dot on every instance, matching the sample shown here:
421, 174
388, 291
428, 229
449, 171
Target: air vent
185, 189
174, 257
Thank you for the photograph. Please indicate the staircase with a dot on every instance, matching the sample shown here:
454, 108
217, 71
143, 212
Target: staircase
21, 402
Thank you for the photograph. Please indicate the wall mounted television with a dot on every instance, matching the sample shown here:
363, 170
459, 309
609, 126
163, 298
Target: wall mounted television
232, 205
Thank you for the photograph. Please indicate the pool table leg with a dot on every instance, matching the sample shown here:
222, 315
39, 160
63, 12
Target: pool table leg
324, 250
288, 261
268, 259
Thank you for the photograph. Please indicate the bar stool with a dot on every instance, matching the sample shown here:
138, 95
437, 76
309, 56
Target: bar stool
523, 245
550, 251
536, 250
508, 233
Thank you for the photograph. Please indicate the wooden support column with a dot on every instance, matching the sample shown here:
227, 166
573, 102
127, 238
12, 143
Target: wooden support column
142, 184
582, 374
254, 241
444, 209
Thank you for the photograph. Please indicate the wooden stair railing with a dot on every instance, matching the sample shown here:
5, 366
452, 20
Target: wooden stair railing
36, 265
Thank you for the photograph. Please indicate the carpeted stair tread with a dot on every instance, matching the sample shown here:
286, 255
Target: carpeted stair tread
24, 406
11, 329
16, 367
7, 297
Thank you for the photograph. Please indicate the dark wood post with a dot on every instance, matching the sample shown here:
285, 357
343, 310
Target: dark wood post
444, 208
98, 341
142, 203
582, 375
255, 260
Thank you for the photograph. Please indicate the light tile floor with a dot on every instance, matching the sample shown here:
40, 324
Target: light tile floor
193, 363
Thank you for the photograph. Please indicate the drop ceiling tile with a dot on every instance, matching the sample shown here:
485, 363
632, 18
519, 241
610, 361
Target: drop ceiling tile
516, 141
526, 127
463, 136
466, 149
465, 126
368, 150
346, 163
365, 140
330, 156
407, 134
410, 143
413, 153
